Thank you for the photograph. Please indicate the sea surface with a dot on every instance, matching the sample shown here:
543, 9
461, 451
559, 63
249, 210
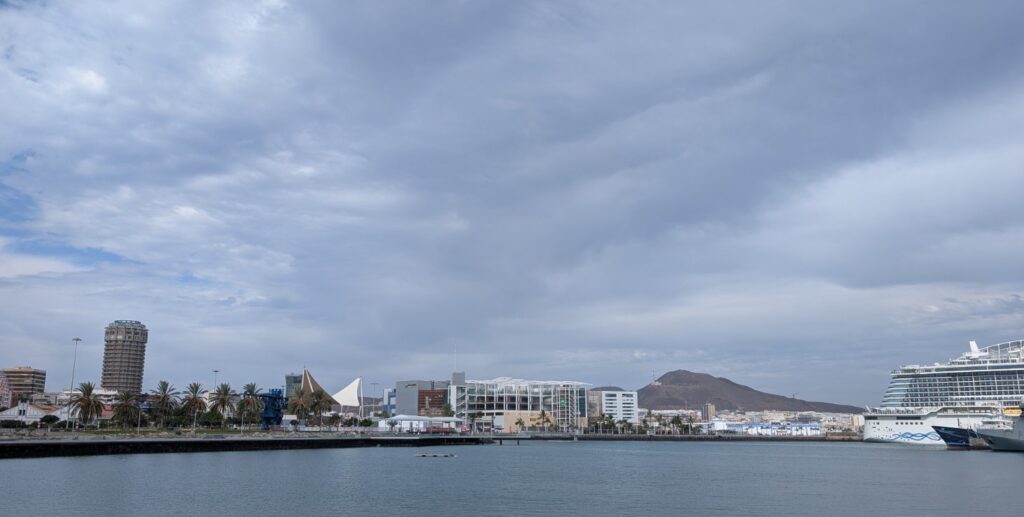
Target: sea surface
540, 478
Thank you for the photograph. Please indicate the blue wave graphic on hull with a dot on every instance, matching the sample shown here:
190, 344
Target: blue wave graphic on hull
914, 437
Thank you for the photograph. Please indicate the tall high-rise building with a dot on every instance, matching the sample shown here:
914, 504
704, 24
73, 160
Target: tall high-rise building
24, 381
124, 356
292, 382
708, 413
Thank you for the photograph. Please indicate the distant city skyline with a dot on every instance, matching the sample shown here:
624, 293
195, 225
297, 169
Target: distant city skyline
798, 197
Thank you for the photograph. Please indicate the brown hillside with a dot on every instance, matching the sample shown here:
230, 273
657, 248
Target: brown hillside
683, 389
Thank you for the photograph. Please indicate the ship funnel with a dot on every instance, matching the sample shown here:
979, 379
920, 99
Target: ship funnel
974, 347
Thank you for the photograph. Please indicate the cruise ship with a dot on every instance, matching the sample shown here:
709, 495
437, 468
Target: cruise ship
963, 392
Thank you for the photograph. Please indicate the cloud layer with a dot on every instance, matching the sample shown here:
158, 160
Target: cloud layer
797, 196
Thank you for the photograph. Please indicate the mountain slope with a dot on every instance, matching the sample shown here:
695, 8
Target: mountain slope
683, 389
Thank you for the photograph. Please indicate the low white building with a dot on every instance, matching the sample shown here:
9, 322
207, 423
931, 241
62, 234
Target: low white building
419, 424
767, 429
31, 413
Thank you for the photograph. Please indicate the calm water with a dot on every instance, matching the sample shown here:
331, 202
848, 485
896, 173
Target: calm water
546, 478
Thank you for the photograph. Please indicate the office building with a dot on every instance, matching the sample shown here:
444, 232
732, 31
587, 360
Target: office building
292, 381
124, 356
421, 398
707, 414
23, 382
619, 405
389, 401
5, 392
510, 405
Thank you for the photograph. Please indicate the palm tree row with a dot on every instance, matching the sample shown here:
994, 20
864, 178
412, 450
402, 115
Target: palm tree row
303, 405
167, 402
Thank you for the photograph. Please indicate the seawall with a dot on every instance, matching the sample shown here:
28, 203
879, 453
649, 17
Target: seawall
101, 446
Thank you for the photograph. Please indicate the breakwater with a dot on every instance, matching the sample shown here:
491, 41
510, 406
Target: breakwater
104, 446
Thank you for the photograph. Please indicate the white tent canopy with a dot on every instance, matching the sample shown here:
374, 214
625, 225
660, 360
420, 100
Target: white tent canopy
349, 395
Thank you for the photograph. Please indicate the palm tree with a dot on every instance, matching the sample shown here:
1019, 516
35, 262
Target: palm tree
224, 402
299, 404
165, 399
519, 424
609, 423
193, 401
126, 408
543, 418
87, 403
320, 403
250, 405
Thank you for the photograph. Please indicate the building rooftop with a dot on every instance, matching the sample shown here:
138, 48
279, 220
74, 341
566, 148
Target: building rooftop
128, 324
508, 381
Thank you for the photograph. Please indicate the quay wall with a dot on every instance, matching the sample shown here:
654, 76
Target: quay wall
91, 447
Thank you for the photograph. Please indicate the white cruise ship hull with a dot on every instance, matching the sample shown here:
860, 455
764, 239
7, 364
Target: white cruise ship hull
914, 427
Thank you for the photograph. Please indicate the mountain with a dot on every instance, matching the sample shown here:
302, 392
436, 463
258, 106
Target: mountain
607, 388
683, 389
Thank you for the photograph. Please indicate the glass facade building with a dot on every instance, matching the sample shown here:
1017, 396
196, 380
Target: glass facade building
509, 405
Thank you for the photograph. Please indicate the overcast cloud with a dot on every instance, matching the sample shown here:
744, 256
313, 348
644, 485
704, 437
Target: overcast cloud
798, 196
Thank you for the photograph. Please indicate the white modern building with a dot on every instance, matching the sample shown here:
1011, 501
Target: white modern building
512, 405
419, 424
619, 405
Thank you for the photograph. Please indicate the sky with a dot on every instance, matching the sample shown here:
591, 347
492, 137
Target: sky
799, 196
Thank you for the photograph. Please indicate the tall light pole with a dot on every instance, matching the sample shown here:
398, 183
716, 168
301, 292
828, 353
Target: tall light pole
373, 389
74, 364
215, 372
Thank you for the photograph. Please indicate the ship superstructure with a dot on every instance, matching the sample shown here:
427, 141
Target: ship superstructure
960, 393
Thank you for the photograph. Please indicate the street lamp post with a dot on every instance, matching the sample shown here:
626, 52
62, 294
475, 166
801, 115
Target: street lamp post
215, 372
373, 389
67, 421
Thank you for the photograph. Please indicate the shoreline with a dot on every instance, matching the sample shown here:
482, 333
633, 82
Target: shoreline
103, 445
16, 449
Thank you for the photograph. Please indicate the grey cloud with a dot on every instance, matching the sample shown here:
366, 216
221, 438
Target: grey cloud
568, 190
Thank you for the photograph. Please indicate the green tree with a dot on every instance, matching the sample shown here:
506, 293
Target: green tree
193, 403
446, 410
87, 404
320, 403
164, 400
49, 420
250, 405
334, 420
224, 402
126, 409
299, 404
520, 424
